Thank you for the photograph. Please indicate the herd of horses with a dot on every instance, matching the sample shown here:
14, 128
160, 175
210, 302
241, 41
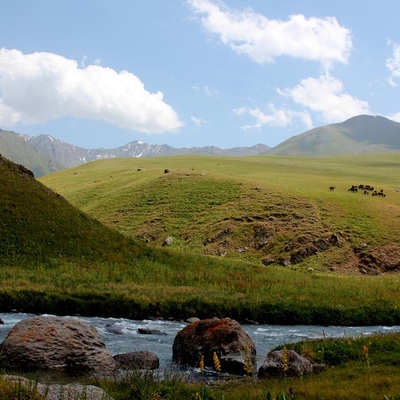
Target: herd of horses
366, 189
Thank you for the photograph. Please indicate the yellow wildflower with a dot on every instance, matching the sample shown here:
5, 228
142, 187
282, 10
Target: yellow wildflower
202, 364
217, 364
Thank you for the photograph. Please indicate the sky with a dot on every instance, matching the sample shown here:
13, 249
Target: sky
194, 73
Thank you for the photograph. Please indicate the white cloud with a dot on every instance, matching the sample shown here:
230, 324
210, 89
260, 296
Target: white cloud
393, 63
210, 91
38, 87
263, 39
198, 121
274, 117
325, 96
394, 117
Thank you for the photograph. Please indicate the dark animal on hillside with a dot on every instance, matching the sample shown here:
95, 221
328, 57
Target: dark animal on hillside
365, 192
331, 188
353, 189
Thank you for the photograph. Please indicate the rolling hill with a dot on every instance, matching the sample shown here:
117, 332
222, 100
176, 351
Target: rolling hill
270, 210
358, 135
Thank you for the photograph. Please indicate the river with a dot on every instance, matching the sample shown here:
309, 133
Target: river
121, 335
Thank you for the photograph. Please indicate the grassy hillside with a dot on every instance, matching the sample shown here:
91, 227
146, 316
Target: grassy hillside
275, 210
55, 258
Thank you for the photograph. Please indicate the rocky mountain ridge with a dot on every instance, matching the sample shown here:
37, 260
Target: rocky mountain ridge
56, 155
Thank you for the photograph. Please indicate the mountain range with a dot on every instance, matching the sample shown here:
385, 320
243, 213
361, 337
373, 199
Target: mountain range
44, 154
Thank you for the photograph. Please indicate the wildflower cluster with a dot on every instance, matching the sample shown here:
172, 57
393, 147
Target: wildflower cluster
201, 364
217, 364
284, 360
247, 364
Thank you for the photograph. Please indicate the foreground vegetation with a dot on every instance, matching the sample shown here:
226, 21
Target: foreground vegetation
357, 368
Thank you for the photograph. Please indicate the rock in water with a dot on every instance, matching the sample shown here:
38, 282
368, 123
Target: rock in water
54, 343
233, 346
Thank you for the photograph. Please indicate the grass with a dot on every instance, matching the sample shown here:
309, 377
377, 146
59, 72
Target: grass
103, 256
56, 258
244, 208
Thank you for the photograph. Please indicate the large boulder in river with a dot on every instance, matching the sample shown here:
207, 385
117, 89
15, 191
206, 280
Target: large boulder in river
233, 346
54, 343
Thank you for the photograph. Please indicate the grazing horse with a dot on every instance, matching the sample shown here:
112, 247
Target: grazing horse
353, 189
332, 188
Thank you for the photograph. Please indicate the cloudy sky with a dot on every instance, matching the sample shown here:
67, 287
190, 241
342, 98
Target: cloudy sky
102, 73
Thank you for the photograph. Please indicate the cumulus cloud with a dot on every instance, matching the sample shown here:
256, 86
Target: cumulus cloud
263, 39
274, 117
325, 96
38, 87
393, 63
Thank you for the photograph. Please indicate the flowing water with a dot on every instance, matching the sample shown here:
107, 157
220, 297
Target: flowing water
121, 335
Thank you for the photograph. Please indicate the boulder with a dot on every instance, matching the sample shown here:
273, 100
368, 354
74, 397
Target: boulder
235, 349
297, 365
54, 343
115, 329
137, 360
168, 241
147, 331
57, 391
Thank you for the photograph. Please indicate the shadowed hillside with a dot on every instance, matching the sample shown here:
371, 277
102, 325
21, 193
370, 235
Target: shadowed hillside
39, 226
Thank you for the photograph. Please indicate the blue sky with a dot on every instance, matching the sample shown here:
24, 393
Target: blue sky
102, 73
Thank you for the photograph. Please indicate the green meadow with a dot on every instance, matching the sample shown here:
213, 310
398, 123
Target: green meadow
225, 203
278, 200
89, 241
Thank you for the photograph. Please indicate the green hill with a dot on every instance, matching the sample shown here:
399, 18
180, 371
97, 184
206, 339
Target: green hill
40, 227
56, 258
358, 135
274, 210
